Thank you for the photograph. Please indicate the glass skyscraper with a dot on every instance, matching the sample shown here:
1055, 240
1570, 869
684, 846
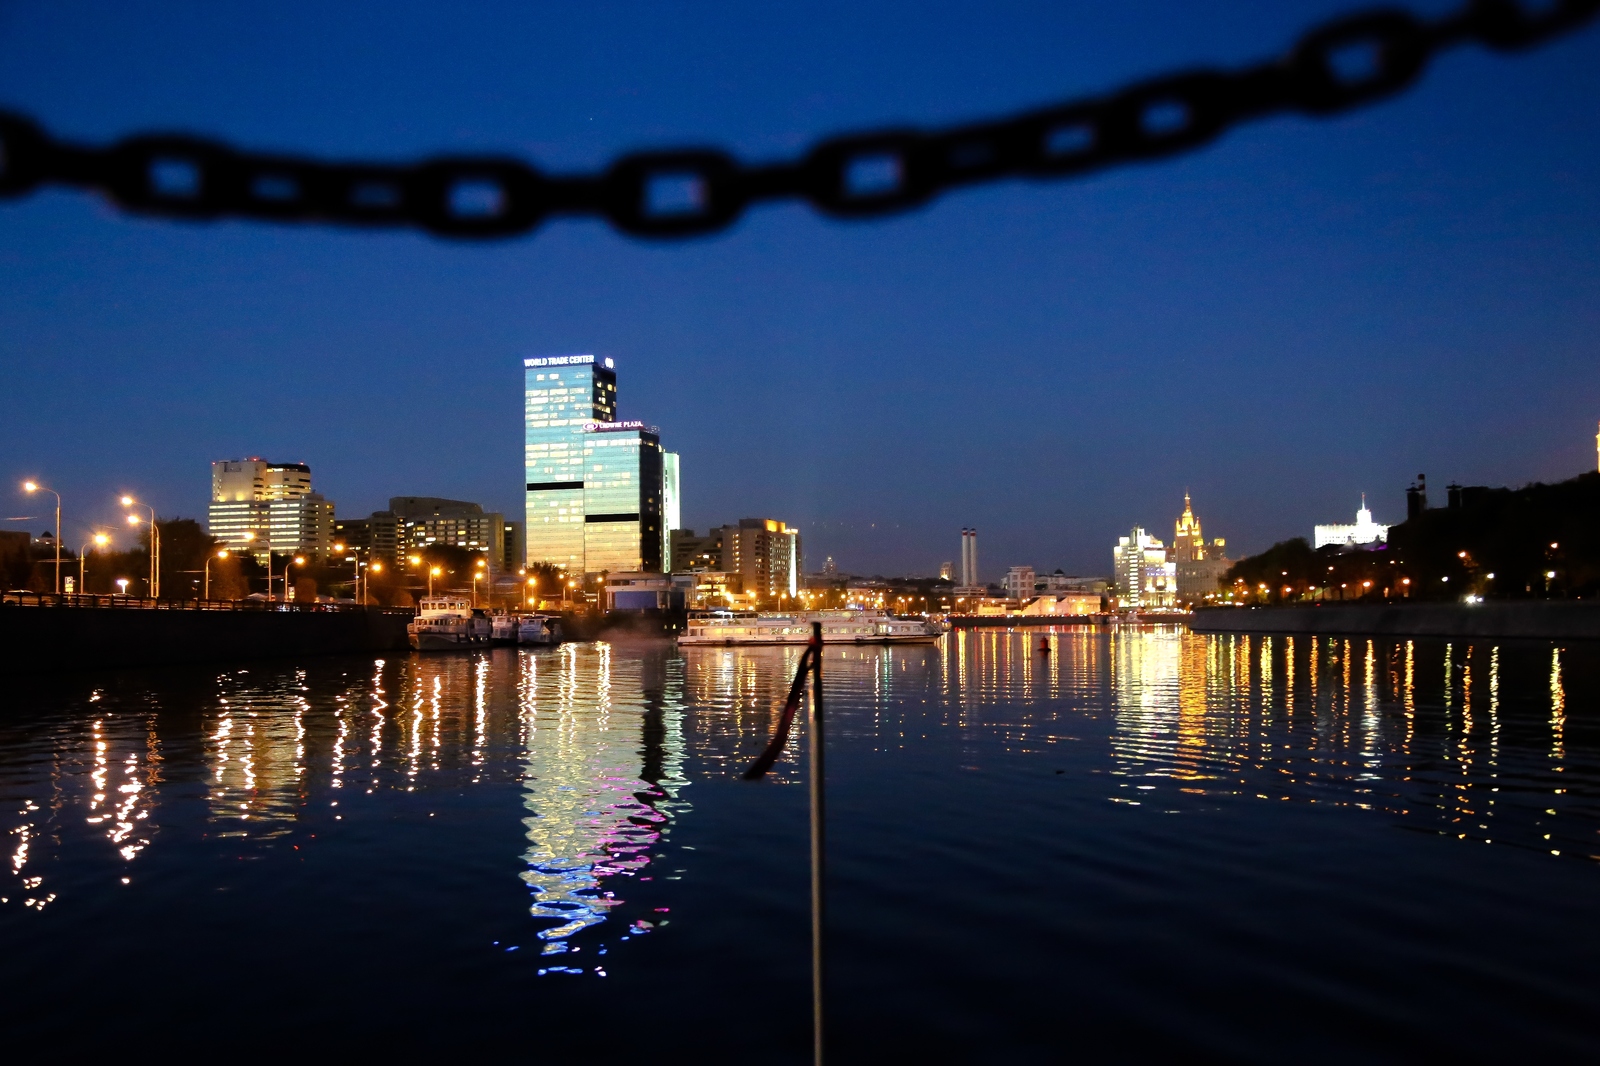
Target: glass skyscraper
594, 485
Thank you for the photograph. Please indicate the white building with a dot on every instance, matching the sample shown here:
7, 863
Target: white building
1145, 579
671, 504
1365, 530
1019, 582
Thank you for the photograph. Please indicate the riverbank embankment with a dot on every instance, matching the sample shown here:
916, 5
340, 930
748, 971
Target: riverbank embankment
47, 637
1040, 621
1536, 619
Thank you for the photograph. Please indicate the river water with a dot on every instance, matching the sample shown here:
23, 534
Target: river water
1138, 843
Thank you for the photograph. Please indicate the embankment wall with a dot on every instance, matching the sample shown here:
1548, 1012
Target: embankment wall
1538, 619
44, 639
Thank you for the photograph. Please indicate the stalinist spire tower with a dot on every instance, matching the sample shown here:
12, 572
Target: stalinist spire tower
1187, 541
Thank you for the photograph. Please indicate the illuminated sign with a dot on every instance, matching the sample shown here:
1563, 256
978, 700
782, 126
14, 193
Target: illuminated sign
612, 427
567, 360
560, 360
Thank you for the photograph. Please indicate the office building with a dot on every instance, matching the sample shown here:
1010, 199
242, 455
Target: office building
301, 526
595, 492
376, 537
762, 553
515, 554
691, 554
1145, 578
428, 520
1364, 531
623, 525
413, 523
765, 553
258, 506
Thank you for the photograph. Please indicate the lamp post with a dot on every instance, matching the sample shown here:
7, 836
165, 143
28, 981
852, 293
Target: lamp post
31, 487
355, 583
155, 544
481, 570
298, 560
122, 583
433, 573
206, 593
371, 566
100, 540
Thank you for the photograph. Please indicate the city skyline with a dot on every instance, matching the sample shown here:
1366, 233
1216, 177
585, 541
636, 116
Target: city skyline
876, 384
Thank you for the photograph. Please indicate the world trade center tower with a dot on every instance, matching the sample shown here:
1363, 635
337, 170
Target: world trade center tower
594, 485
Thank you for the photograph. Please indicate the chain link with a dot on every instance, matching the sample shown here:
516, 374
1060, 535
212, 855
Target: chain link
1342, 64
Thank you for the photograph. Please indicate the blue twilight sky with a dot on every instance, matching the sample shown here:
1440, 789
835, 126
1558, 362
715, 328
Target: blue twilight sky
1301, 312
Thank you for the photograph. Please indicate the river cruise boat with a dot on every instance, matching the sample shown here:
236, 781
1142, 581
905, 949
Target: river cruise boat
448, 623
539, 630
838, 627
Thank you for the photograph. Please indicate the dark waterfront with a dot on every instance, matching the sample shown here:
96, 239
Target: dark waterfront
1146, 842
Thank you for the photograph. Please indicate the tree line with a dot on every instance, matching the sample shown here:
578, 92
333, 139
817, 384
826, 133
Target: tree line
1538, 542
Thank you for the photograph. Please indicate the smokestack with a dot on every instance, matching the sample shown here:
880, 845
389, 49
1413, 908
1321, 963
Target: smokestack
1417, 497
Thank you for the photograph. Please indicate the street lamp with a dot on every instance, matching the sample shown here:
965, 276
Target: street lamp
298, 560
99, 540
433, 573
155, 544
122, 583
31, 487
206, 593
477, 573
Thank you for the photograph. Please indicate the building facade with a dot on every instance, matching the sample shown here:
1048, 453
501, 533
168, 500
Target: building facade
1364, 531
596, 494
691, 553
1145, 578
257, 506
424, 521
765, 553
671, 502
623, 524
1199, 564
1019, 582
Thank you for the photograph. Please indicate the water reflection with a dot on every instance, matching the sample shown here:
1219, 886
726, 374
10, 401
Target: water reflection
603, 769
597, 744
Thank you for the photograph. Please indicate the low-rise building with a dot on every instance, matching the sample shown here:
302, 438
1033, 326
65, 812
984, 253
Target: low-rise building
1065, 605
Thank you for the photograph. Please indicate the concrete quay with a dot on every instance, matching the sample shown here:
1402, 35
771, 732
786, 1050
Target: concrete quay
45, 634
1535, 619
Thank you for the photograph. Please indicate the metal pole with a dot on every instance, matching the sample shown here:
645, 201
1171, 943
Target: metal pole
58, 540
818, 848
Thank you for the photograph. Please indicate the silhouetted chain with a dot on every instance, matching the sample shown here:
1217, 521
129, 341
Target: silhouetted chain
1339, 65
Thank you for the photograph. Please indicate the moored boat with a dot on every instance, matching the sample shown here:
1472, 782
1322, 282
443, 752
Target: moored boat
448, 623
503, 628
539, 630
838, 627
